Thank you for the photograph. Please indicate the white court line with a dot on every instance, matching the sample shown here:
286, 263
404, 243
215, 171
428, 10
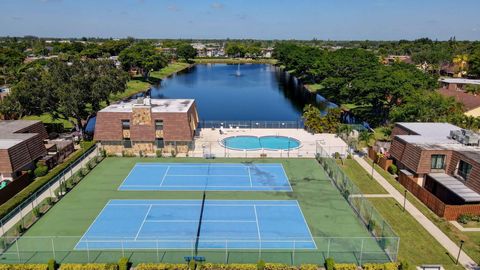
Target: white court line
89, 227
164, 175
306, 223
193, 204
143, 222
286, 177
258, 227
250, 176
218, 165
208, 221
210, 175
125, 179
201, 186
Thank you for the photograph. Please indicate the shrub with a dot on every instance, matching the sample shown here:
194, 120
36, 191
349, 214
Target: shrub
390, 266
103, 152
36, 212
404, 265
23, 267
464, 218
173, 153
49, 201
192, 265
308, 267
52, 264
392, 169
345, 266
161, 266
337, 155
349, 156
278, 266
20, 228
92, 163
41, 171
329, 263
261, 265
159, 153
381, 266
123, 264
89, 266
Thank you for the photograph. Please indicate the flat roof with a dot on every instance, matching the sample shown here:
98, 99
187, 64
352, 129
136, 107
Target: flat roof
430, 129
157, 105
8, 129
456, 186
459, 80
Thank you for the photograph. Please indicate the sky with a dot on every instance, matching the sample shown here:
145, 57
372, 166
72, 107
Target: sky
256, 19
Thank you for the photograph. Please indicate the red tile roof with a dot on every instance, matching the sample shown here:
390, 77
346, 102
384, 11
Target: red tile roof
468, 100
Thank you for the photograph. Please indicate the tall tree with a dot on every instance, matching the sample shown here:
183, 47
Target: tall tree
143, 56
186, 51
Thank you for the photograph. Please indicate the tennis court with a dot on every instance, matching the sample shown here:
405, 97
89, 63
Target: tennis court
207, 176
187, 224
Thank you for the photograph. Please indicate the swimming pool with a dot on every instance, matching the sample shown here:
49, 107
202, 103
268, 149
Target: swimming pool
259, 143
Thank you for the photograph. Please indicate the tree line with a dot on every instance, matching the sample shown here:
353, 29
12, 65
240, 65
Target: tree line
380, 94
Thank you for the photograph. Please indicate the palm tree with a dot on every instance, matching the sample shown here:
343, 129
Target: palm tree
366, 136
460, 62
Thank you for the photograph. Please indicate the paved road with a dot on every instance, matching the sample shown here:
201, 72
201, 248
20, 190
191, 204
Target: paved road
442, 238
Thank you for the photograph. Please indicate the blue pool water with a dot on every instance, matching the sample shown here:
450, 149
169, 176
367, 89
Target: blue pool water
258, 143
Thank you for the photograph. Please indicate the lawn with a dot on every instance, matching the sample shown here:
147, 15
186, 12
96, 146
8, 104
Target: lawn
327, 213
417, 246
47, 118
360, 177
472, 239
313, 88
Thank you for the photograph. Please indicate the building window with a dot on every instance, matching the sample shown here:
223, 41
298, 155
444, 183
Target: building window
464, 169
127, 143
438, 162
125, 124
158, 124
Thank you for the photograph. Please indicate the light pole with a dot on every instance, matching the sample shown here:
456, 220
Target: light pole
404, 199
459, 250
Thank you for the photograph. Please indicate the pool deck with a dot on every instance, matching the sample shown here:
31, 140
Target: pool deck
208, 143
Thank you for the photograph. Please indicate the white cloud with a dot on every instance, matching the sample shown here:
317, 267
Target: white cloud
217, 5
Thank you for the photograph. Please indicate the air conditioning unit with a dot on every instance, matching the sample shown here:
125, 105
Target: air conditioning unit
466, 137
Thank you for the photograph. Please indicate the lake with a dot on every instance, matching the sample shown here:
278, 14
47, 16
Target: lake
260, 92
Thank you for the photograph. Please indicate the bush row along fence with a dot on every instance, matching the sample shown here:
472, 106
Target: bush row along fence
358, 250
386, 238
17, 214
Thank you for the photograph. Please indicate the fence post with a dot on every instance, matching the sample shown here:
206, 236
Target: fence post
53, 248
361, 252
123, 250
328, 247
158, 255
226, 251
88, 251
293, 253
18, 251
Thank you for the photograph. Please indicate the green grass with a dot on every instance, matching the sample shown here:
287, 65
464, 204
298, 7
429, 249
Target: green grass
169, 70
234, 61
325, 210
47, 118
313, 88
472, 239
360, 177
417, 246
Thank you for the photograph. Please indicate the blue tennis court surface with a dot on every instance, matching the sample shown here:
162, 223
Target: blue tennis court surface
207, 176
173, 224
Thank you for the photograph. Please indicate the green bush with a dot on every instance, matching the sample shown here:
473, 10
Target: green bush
337, 155
381, 266
52, 264
89, 266
159, 153
49, 201
392, 169
36, 212
123, 264
20, 228
308, 267
41, 171
261, 265
403, 265
329, 264
41, 181
173, 153
278, 266
345, 266
464, 218
23, 267
161, 266
390, 266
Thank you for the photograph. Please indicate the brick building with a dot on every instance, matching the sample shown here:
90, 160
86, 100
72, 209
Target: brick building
21, 145
440, 163
144, 126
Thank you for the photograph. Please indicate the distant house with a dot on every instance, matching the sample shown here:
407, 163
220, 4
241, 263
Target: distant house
440, 164
391, 59
144, 126
456, 87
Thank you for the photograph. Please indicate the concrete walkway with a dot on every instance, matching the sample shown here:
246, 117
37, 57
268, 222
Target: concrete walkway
372, 195
463, 229
442, 238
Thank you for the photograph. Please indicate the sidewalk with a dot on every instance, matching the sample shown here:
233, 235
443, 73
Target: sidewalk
443, 239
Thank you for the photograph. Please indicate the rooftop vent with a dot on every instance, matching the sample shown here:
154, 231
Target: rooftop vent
465, 137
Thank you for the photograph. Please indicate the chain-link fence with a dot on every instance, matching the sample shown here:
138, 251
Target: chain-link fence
357, 250
386, 238
22, 215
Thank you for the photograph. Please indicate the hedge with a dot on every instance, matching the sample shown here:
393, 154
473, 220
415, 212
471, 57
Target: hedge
345, 266
161, 266
41, 181
381, 266
89, 266
23, 266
